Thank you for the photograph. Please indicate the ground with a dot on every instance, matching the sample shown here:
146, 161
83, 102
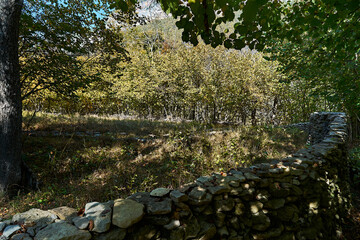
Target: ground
80, 159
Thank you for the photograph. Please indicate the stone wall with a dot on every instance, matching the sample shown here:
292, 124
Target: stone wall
303, 196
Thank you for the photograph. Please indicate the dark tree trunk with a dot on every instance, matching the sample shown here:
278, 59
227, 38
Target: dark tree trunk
10, 96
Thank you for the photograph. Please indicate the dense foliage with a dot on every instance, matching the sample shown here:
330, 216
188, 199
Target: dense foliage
306, 70
57, 38
317, 42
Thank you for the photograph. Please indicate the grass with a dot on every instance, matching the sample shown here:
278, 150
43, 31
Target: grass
135, 155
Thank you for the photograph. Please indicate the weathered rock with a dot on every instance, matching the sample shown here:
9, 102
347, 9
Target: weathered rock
186, 187
255, 207
160, 207
224, 205
81, 222
308, 233
220, 219
153, 205
127, 212
10, 230
272, 233
223, 232
31, 231
157, 219
177, 234
191, 228
2, 226
145, 232
21, 236
234, 223
141, 197
287, 213
62, 231
113, 234
239, 209
100, 213
251, 176
287, 236
159, 192
198, 202
207, 231
64, 213
247, 194
198, 193
236, 191
218, 189
277, 191
178, 196
232, 181
260, 221
262, 196
172, 225
35, 217
240, 177
205, 181
275, 203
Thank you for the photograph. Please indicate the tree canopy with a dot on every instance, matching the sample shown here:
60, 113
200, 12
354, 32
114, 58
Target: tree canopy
323, 35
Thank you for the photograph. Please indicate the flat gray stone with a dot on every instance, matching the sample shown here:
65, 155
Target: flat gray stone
127, 212
100, 213
251, 176
199, 202
218, 189
161, 207
2, 226
113, 234
10, 230
159, 192
153, 205
64, 213
62, 231
21, 236
198, 193
178, 196
81, 223
35, 217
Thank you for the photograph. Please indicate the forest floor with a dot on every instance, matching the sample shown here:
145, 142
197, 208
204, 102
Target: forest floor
80, 159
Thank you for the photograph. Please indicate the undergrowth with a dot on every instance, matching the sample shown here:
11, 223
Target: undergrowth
136, 155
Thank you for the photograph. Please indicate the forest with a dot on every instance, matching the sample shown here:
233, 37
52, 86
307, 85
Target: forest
118, 97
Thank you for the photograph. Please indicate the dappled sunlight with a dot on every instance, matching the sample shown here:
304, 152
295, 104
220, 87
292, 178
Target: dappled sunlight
116, 165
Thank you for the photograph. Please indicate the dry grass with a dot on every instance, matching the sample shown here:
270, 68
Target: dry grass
76, 170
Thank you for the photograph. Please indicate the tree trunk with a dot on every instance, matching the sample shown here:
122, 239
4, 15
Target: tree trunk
10, 96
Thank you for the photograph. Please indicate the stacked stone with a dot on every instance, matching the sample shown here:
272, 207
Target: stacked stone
299, 197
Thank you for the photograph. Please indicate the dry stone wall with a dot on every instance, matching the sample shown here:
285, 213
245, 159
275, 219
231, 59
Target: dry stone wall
303, 196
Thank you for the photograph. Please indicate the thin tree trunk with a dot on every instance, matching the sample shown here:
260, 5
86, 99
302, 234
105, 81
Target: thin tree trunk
10, 96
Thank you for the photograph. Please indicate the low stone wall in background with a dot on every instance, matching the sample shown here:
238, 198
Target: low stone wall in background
304, 196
